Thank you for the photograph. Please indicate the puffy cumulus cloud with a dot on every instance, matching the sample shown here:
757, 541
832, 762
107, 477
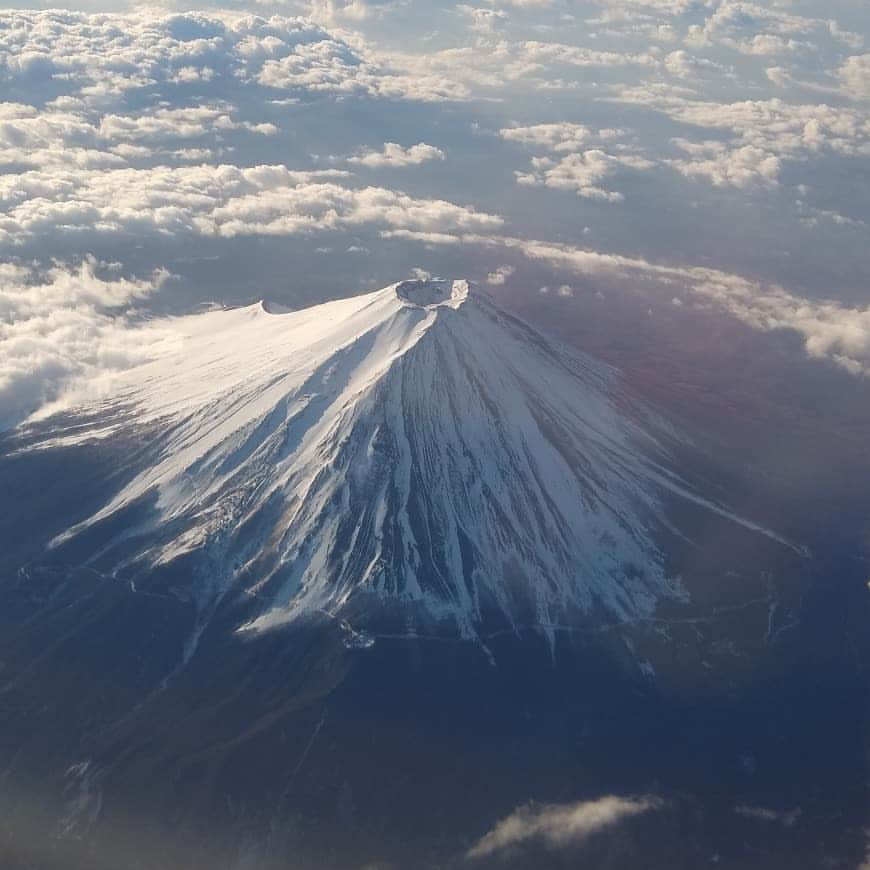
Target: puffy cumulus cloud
763, 134
103, 56
483, 21
687, 66
854, 75
341, 12
65, 133
753, 29
736, 167
561, 136
394, 155
557, 826
744, 28
332, 66
217, 201
634, 20
500, 275
64, 331
582, 173
580, 170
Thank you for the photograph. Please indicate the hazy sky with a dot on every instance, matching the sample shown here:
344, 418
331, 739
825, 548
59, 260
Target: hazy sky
709, 154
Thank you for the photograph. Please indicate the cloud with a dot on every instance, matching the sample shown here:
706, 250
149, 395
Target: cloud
582, 173
829, 330
394, 155
557, 826
562, 136
501, 64
580, 170
686, 66
763, 135
786, 818
213, 201
854, 74
61, 135
64, 330
500, 275
752, 29
105, 56
484, 21
723, 166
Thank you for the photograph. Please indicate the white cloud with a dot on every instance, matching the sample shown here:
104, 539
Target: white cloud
394, 155
830, 330
499, 64
560, 825
723, 166
205, 200
500, 275
848, 38
687, 66
764, 134
752, 29
63, 331
484, 21
854, 74
59, 135
104, 56
582, 172
561, 136
579, 170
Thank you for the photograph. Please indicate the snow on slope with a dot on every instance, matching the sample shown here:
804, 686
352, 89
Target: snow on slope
416, 447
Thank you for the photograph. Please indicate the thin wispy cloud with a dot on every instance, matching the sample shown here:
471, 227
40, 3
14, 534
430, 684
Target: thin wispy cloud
560, 825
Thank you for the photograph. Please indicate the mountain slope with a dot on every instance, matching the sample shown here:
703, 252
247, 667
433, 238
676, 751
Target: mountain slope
413, 453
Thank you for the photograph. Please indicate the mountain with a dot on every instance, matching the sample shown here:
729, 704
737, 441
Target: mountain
414, 452
344, 586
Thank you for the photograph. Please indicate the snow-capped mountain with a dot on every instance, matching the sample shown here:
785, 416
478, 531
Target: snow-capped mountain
292, 587
414, 452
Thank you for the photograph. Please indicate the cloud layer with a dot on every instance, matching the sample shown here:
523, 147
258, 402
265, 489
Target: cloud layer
62, 331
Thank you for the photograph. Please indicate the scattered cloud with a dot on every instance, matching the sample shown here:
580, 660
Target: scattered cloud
786, 818
394, 155
763, 135
854, 74
562, 136
582, 173
500, 275
556, 826
577, 168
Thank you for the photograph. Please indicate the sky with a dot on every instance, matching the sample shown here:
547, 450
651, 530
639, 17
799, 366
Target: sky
707, 157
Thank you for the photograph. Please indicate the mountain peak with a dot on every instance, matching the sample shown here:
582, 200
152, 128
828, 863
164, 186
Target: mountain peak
433, 292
